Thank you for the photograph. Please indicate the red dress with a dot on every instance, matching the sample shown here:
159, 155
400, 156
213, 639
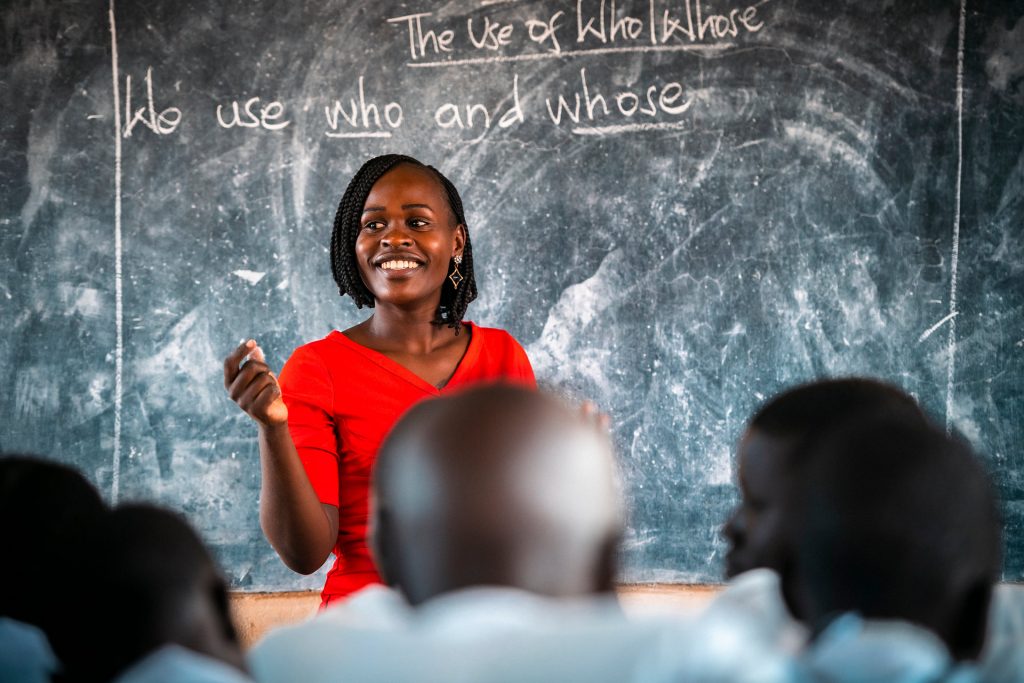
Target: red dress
342, 400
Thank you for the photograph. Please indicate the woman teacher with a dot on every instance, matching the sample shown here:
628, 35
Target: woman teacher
400, 245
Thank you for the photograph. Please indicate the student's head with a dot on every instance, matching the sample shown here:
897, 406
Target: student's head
496, 486
45, 508
147, 581
767, 452
396, 207
894, 520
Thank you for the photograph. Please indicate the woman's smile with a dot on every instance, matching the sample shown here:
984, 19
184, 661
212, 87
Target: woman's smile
408, 237
399, 265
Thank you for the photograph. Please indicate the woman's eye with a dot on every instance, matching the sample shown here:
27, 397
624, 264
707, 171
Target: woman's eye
418, 223
373, 225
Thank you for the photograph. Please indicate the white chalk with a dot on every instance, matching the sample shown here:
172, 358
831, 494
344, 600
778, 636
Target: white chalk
955, 260
250, 276
115, 483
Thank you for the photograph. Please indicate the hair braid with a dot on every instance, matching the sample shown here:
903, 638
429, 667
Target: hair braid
454, 301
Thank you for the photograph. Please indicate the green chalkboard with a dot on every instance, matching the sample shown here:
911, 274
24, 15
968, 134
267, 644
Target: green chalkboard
678, 207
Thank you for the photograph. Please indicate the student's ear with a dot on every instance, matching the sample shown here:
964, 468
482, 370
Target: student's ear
608, 564
968, 621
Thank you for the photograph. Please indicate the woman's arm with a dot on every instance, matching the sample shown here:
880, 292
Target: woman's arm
301, 529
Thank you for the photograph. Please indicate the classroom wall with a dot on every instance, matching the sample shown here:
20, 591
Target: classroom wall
678, 207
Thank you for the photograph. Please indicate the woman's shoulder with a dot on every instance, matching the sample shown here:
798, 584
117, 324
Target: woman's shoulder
331, 342
325, 351
495, 337
496, 353
490, 333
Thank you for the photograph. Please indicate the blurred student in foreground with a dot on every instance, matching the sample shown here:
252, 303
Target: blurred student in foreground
45, 508
152, 606
772, 459
896, 546
496, 520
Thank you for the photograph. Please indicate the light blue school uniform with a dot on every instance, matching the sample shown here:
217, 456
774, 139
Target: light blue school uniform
475, 635
175, 664
25, 653
757, 596
856, 650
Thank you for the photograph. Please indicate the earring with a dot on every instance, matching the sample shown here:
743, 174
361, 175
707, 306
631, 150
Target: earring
455, 276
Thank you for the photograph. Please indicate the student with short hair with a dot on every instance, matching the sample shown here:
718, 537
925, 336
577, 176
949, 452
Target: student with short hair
896, 544
769, 446
774, 448
496, 517
153, 605
45, 508
765, 459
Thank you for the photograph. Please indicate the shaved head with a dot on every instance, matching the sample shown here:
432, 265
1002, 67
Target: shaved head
497, 486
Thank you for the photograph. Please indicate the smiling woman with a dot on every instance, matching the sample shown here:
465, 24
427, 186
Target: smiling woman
400, 245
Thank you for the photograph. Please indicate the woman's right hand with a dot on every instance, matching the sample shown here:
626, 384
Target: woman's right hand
252, 385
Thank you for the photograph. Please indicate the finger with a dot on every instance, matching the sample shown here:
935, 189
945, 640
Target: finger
249, 373
594, 415
265, 398
233, 360
257, 354
588, 409
248, 399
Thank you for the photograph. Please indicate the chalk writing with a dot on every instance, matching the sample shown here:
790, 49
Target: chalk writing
494, 34
361, 118
253, 115
584, 28
600, 23
588, 104
420, 39
450, 115
163, 122
546, 31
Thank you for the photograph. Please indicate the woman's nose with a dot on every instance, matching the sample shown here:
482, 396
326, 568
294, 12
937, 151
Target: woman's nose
396, 237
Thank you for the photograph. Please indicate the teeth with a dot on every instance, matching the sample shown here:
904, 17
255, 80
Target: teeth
399, 265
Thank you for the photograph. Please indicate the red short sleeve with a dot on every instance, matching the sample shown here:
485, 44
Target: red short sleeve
521, 370
498, 358
308, 392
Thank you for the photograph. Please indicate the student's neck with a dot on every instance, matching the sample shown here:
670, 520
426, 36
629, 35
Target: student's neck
406, 331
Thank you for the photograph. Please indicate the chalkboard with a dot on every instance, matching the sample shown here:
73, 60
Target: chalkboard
678, 207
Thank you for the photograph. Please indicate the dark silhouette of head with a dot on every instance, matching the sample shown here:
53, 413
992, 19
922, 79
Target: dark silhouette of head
45, 509
147, 581
768, 451
498, 486
893, 519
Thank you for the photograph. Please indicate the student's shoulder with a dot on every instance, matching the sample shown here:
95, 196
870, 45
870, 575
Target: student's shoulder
330, 640
176, 663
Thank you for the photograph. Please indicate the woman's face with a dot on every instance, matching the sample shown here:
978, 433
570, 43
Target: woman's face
407, 238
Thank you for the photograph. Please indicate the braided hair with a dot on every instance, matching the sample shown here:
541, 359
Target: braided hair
454, 301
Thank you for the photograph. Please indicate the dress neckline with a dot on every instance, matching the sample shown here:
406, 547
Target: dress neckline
396, 368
